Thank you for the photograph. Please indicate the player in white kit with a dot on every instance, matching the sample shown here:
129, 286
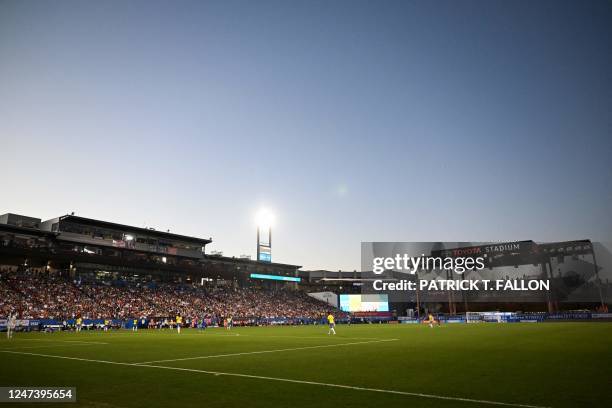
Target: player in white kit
11, 322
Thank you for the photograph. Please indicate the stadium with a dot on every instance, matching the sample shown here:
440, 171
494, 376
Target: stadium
96, 302
306, 203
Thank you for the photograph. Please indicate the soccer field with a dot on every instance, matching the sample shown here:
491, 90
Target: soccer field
456, 365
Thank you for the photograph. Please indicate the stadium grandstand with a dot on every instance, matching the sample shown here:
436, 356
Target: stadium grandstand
71, 266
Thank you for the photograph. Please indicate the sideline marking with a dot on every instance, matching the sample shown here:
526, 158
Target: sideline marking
16, 340
49, 346
258, 377
58, 343
266, 351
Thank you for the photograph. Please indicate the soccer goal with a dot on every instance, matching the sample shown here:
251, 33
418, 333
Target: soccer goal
473, 317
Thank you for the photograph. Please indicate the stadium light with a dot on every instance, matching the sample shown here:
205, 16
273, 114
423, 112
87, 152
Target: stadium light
264, 219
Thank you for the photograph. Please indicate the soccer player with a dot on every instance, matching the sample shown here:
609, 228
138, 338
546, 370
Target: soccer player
11, 322
135, 325
8, 326
179, 322
332, 324
431, 320
79, 323
106, 324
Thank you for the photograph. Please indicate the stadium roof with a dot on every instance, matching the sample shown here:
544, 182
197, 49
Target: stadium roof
148, 231
25, 230
244, 261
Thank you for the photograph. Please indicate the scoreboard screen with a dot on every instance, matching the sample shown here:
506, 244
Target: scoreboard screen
364, 303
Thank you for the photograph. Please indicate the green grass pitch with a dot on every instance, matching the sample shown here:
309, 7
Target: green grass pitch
456, 365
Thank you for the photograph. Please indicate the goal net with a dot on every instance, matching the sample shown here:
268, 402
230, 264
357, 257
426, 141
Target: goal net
473, 317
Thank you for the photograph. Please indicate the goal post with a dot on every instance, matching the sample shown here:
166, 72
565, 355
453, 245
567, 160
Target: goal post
473, 317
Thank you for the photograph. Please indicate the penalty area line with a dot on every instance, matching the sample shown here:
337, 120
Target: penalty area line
287, 380
266, 351
265, 336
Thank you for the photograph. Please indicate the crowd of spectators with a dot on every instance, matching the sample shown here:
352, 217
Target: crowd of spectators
40, 295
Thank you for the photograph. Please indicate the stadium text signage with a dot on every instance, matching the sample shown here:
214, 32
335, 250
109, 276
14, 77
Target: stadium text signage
505, 248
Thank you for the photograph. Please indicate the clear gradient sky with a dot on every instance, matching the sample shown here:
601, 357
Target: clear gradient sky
352, 120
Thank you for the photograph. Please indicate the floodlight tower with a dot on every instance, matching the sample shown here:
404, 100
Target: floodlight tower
264, 221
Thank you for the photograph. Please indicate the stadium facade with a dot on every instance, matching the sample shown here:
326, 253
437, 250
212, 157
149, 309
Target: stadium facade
87, 248
90, 250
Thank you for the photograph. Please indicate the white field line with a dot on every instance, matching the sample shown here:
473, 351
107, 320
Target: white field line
266, 351
60, 341
170, 333
52, 346
286, 337
288, 380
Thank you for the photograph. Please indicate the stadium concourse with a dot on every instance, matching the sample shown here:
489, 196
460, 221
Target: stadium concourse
39, 295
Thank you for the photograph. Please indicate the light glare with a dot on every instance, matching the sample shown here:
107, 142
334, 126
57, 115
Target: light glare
264, 219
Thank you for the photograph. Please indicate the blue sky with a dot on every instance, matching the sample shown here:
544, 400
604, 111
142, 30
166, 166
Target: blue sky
351, 120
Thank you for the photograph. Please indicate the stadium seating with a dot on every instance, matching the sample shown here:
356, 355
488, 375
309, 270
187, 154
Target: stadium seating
43, 296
